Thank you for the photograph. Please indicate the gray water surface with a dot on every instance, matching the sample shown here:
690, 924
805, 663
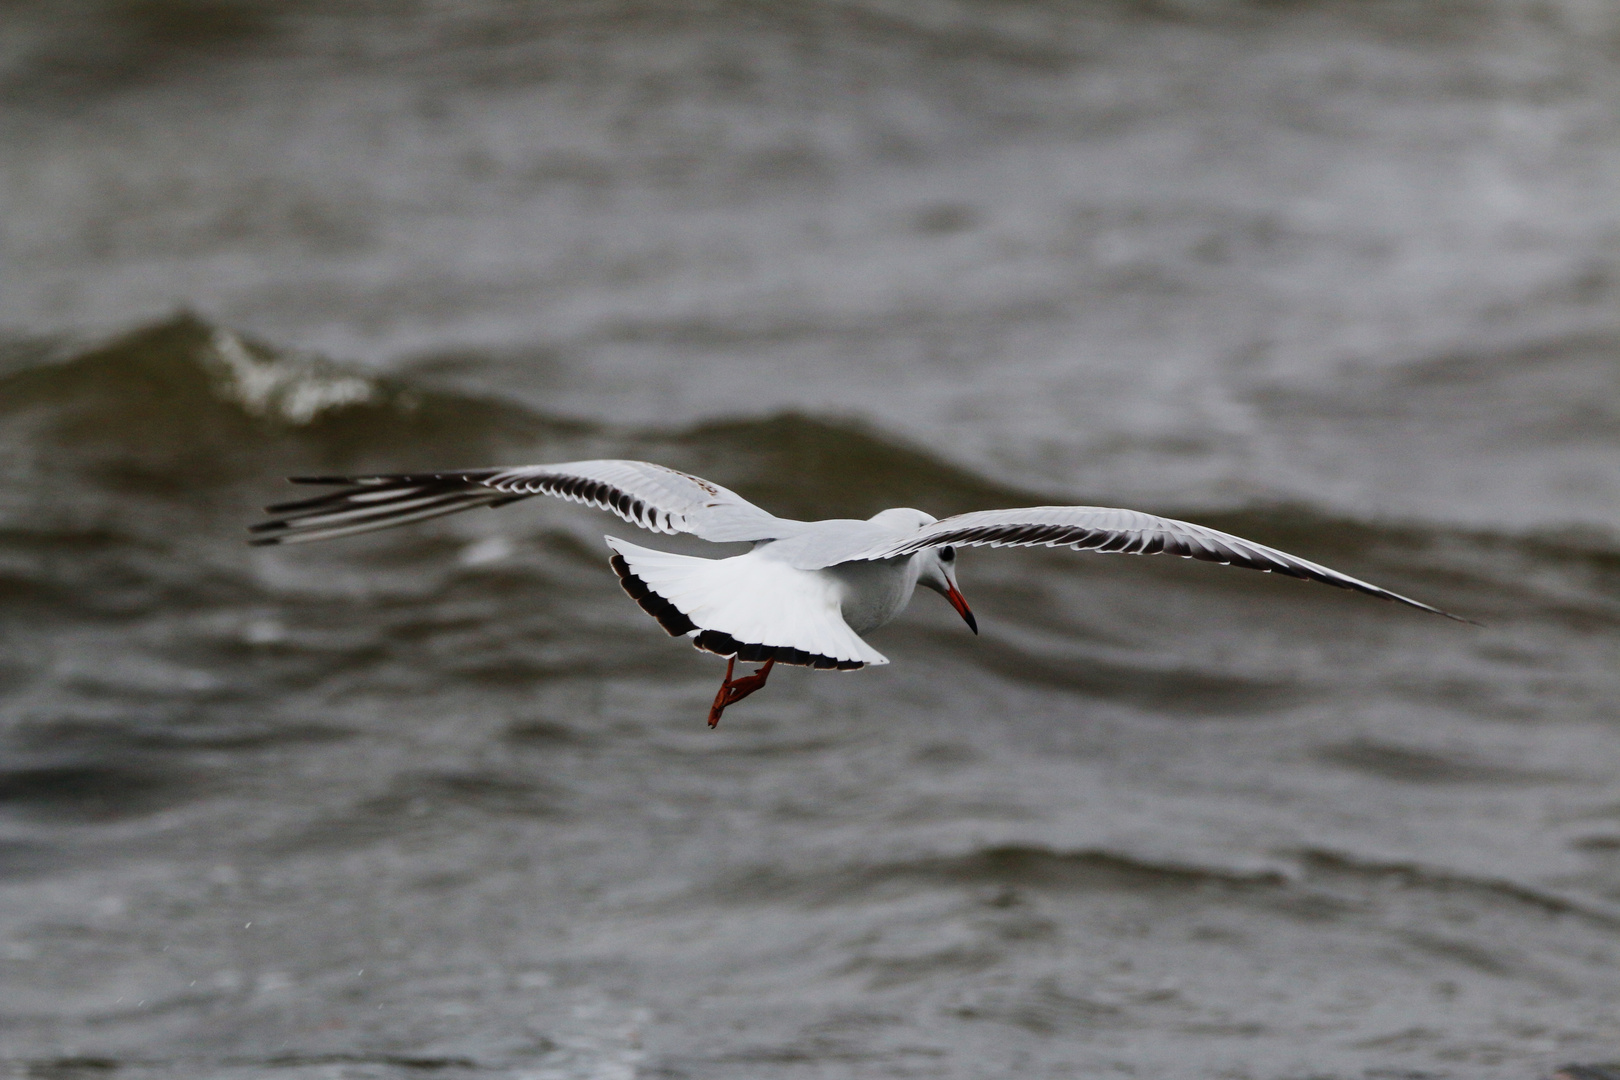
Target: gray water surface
1341, 278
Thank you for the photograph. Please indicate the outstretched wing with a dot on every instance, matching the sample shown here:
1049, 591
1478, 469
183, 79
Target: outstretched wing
1128, 532
652, 496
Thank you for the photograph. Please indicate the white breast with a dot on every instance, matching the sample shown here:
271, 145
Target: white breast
874, 592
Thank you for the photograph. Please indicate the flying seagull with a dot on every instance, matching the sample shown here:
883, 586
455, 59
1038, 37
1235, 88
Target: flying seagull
807, 590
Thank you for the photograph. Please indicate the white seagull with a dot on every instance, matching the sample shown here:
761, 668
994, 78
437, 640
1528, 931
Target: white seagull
807, 590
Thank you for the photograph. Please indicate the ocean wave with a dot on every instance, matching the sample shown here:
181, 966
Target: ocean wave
1309, 882
996, 868
294, 389
185, 414
182, 428
1324, 867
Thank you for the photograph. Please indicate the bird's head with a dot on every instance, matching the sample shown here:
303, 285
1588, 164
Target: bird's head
903, 519
937, 570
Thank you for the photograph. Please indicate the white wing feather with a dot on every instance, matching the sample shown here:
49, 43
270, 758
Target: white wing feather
652, 496
1129, 532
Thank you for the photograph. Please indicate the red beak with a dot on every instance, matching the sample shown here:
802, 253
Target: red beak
955, 597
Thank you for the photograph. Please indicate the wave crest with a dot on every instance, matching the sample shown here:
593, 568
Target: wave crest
294, 389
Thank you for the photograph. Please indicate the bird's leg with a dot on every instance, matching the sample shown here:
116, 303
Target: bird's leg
720, 698
734, 690
741, 688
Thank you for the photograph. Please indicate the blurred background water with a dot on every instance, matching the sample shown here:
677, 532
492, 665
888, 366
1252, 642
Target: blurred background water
1340, 277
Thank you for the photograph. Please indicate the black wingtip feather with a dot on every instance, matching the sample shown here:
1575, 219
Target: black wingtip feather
723, 644
670, 617
1459, 618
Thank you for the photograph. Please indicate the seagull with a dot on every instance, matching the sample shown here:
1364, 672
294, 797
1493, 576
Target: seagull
807, 591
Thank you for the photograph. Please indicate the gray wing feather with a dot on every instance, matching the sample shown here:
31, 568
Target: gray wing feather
1127, 532
654, 497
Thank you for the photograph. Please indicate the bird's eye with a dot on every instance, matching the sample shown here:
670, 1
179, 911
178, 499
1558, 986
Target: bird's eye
947, 554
